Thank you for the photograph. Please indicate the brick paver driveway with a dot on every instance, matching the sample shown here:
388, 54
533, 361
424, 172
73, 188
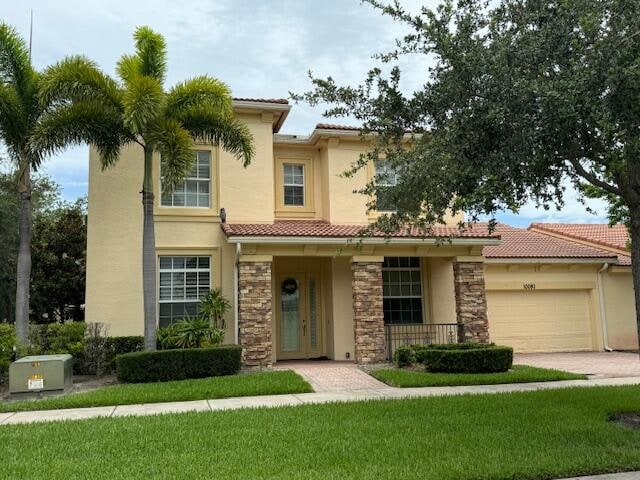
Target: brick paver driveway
602, 364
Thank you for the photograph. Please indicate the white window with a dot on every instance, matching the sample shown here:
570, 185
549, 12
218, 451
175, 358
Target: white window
293, 184
386, 177
183, 281
195, 191
401, 290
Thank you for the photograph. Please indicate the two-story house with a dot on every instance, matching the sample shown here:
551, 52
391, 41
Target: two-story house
278, 238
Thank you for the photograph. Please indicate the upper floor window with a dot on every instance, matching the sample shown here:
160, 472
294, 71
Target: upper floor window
293, 183
195, 191
402, 290
386, 178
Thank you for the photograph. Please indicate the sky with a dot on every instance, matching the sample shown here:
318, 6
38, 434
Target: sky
260, 48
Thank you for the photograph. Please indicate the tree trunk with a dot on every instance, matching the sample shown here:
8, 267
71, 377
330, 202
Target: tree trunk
635, 260
148, 255
23, 277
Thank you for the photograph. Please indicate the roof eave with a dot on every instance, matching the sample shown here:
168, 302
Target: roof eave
266, 239
277, 108
558, 260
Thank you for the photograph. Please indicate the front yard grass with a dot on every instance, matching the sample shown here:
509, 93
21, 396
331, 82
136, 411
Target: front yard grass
264, 383
534, 435
397, 377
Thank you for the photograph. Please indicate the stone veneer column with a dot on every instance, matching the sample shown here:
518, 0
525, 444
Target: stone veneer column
254, 312
368, 316
471, 300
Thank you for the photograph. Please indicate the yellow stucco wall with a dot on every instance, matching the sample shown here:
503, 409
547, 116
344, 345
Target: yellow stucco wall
441, 294
620, 309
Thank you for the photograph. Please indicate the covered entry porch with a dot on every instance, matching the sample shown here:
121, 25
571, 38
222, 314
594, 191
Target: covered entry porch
343, 299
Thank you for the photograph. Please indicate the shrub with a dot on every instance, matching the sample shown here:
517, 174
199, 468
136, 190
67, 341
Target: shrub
115, 346
120, 345
465, 358
189, 333
95, 359
7, 342
214, 307
404, 356
166, 365
52, 338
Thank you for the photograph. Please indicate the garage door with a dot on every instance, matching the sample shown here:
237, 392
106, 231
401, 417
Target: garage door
541, 321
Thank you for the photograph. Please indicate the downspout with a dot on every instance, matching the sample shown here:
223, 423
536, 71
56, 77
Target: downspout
235, 294
603, 312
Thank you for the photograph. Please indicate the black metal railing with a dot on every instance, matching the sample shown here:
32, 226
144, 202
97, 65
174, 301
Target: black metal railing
421, 334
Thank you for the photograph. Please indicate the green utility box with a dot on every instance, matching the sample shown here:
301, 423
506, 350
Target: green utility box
41, 373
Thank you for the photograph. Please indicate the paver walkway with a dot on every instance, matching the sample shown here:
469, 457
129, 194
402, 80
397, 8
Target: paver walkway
332, 376
297, 399
602, 364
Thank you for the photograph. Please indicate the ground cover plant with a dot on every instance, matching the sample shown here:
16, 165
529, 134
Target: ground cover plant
536, 435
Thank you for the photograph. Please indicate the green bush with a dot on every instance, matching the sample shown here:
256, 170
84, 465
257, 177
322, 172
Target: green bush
465, 358
7, 342
404, 356
52, 338
115, 346
189, 333
180, 364
120, 345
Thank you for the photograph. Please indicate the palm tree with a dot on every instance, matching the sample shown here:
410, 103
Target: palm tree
87, 105
20, 114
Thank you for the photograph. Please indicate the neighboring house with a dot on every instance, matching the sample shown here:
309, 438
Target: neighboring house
284, 253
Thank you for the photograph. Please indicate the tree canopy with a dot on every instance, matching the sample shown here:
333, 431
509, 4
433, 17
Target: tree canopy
522, 98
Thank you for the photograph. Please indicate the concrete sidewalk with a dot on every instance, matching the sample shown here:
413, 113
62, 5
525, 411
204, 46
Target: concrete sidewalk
610, 476
352, 395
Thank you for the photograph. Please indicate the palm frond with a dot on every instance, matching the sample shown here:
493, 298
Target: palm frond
151, 49
142, 101
13, 119
76, 78
175, 147
15, 65
207, 125
89, 121
128, 68
199, 91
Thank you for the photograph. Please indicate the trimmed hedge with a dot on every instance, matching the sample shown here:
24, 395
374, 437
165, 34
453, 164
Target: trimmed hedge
465, 358
180, 364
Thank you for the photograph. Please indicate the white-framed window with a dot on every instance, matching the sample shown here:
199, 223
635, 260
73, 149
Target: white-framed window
386, 177
402, 290
183, 281
195, 191
293, 183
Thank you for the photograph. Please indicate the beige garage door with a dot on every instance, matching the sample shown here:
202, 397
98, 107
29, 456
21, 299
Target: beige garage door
541, 321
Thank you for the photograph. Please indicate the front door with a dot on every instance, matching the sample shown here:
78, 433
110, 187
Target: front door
299, 327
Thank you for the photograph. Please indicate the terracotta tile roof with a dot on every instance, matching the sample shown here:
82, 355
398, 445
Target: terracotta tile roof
306, 228
283, 101
332, 126
615, 236
523, 243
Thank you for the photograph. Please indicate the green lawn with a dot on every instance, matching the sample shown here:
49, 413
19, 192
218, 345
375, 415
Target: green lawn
265, 383
519, 374
536, 435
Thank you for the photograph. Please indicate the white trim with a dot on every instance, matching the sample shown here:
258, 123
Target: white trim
241, 239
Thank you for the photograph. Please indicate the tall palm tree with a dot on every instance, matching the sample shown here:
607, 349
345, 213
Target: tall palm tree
86, 105
20, 113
